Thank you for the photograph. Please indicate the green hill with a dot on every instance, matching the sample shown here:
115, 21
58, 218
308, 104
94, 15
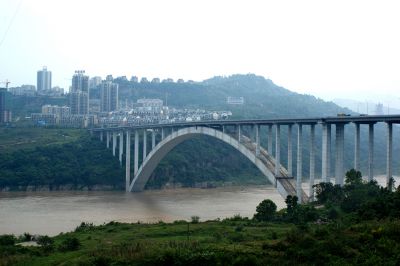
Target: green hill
213, 162
263, 99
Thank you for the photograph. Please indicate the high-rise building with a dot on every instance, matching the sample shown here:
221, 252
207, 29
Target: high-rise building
79, 102
43, 80
94, 82
79, 95
108, 96
5, 108
80, 82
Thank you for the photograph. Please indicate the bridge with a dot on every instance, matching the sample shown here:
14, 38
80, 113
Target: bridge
231, 132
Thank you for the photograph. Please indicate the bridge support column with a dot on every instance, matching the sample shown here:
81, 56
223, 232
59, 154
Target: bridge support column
299, 162
108, 139
101, 136
239, 128
121, 146
339, 170
128, 161
144, 144
162, 133
371, 152
326, 152
223, 129
312, 162
357, 148
114, 142
389, 153
277, 150
136, 154
290, 160
153, 139
257, 140
270, 140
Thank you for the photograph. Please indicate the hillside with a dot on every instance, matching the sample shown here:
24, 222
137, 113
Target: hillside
263, 99
213, 163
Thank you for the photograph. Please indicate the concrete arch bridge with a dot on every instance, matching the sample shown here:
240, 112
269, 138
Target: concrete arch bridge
231, 133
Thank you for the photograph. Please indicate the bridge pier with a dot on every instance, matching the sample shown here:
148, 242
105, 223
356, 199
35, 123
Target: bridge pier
389, 152
121, 146
108, 139
357, 148
239, 128
371, 152
136, 153
299, 162
257, 140
326, 152
269, 140
101, 136
290, 160
153, 139
277, 150
114, 142
128, 161
339, 170
312, 161
144, 144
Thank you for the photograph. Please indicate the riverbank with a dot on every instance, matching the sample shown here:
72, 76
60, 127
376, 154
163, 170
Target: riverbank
233, 241
357, 224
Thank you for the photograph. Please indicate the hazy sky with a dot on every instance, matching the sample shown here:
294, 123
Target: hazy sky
330, 49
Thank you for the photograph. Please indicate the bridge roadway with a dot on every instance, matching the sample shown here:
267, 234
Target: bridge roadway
231, 132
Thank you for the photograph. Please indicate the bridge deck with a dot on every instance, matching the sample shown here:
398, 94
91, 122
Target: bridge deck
359, 119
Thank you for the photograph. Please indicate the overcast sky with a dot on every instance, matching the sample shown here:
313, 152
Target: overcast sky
331, 49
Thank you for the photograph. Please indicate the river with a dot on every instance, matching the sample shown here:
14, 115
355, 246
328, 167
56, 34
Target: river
61, 211
54, 212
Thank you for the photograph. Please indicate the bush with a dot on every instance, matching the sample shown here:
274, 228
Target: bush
70, 244
46, 243
7, 240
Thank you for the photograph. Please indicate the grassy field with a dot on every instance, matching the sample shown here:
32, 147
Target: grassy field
13, 139
141, 244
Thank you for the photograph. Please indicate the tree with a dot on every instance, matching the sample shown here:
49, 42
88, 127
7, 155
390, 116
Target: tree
353, 177
265, 211
291, 203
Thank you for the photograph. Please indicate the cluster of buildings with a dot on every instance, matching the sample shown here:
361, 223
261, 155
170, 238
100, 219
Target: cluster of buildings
78, 114
153, 111
95, 102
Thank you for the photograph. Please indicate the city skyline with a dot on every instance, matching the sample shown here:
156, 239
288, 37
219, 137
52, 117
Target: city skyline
330, 49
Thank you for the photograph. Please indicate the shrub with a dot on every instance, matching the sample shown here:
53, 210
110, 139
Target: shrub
7, 240
46, 242
70, 244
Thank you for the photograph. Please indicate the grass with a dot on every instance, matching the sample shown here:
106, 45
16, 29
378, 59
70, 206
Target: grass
141, 243
21, 138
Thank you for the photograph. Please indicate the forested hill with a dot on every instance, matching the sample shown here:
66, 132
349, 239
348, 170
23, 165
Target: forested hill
212, 163
263, 99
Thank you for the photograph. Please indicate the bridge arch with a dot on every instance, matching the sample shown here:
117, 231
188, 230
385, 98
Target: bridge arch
175, 138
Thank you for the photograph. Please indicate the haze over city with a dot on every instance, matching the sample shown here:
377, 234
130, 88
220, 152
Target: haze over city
330, 49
